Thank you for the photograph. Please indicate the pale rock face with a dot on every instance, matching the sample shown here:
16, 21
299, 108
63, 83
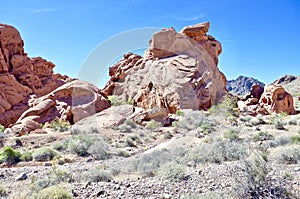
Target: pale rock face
178, 71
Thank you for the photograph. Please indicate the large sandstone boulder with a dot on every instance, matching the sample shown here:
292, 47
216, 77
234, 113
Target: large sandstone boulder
71, 102
21, 76
178, 71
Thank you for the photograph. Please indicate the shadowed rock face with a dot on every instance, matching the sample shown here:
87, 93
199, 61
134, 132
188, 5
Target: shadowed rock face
177, 71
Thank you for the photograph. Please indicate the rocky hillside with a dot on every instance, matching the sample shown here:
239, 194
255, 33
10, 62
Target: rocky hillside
242, 85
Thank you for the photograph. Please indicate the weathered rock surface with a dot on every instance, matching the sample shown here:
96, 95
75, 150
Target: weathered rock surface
178, 71
242, 85
71, 102
21, 76
276, 99
110, 117
273, 98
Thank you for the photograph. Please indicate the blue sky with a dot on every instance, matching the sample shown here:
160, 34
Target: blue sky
260, 38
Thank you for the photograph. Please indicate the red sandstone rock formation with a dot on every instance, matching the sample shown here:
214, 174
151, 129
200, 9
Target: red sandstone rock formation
178, 71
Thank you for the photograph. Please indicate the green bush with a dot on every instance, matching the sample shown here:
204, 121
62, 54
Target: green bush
26, 156
295, 139
55, 192
3, 191
2, 128
8, 155
173, 171
262, 136
44, 154
115, 100
152, 125
60, 126
179, 113
231, 134
228, 107
123, 153
205, 128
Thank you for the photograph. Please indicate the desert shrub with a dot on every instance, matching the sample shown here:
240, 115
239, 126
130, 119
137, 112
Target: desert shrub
80, 144
8, 155
246, 119
174, 171
179, 113
60, 126
128, 126
123, 153
228, 107
253, 180
205, 128
255, 121
44, 154
115, 100
97, 175
133, 140
3, 191
278, 141
231, 134
295, 139
289, 154
217, 152
53, 177
192, 120
55, 191
2, 128
262, 136
278, 122
59, 145
150, 162
26, 156
99, 150
293, 122
152, 125
168, 135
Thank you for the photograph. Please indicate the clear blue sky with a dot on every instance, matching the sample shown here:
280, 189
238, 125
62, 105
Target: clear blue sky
260, 38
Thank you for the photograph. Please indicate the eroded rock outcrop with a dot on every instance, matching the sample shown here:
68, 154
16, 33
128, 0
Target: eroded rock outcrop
273, 98
177, 71
71, 102
21, 76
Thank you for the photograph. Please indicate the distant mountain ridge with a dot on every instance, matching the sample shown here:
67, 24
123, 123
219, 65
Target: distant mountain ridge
242, 85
